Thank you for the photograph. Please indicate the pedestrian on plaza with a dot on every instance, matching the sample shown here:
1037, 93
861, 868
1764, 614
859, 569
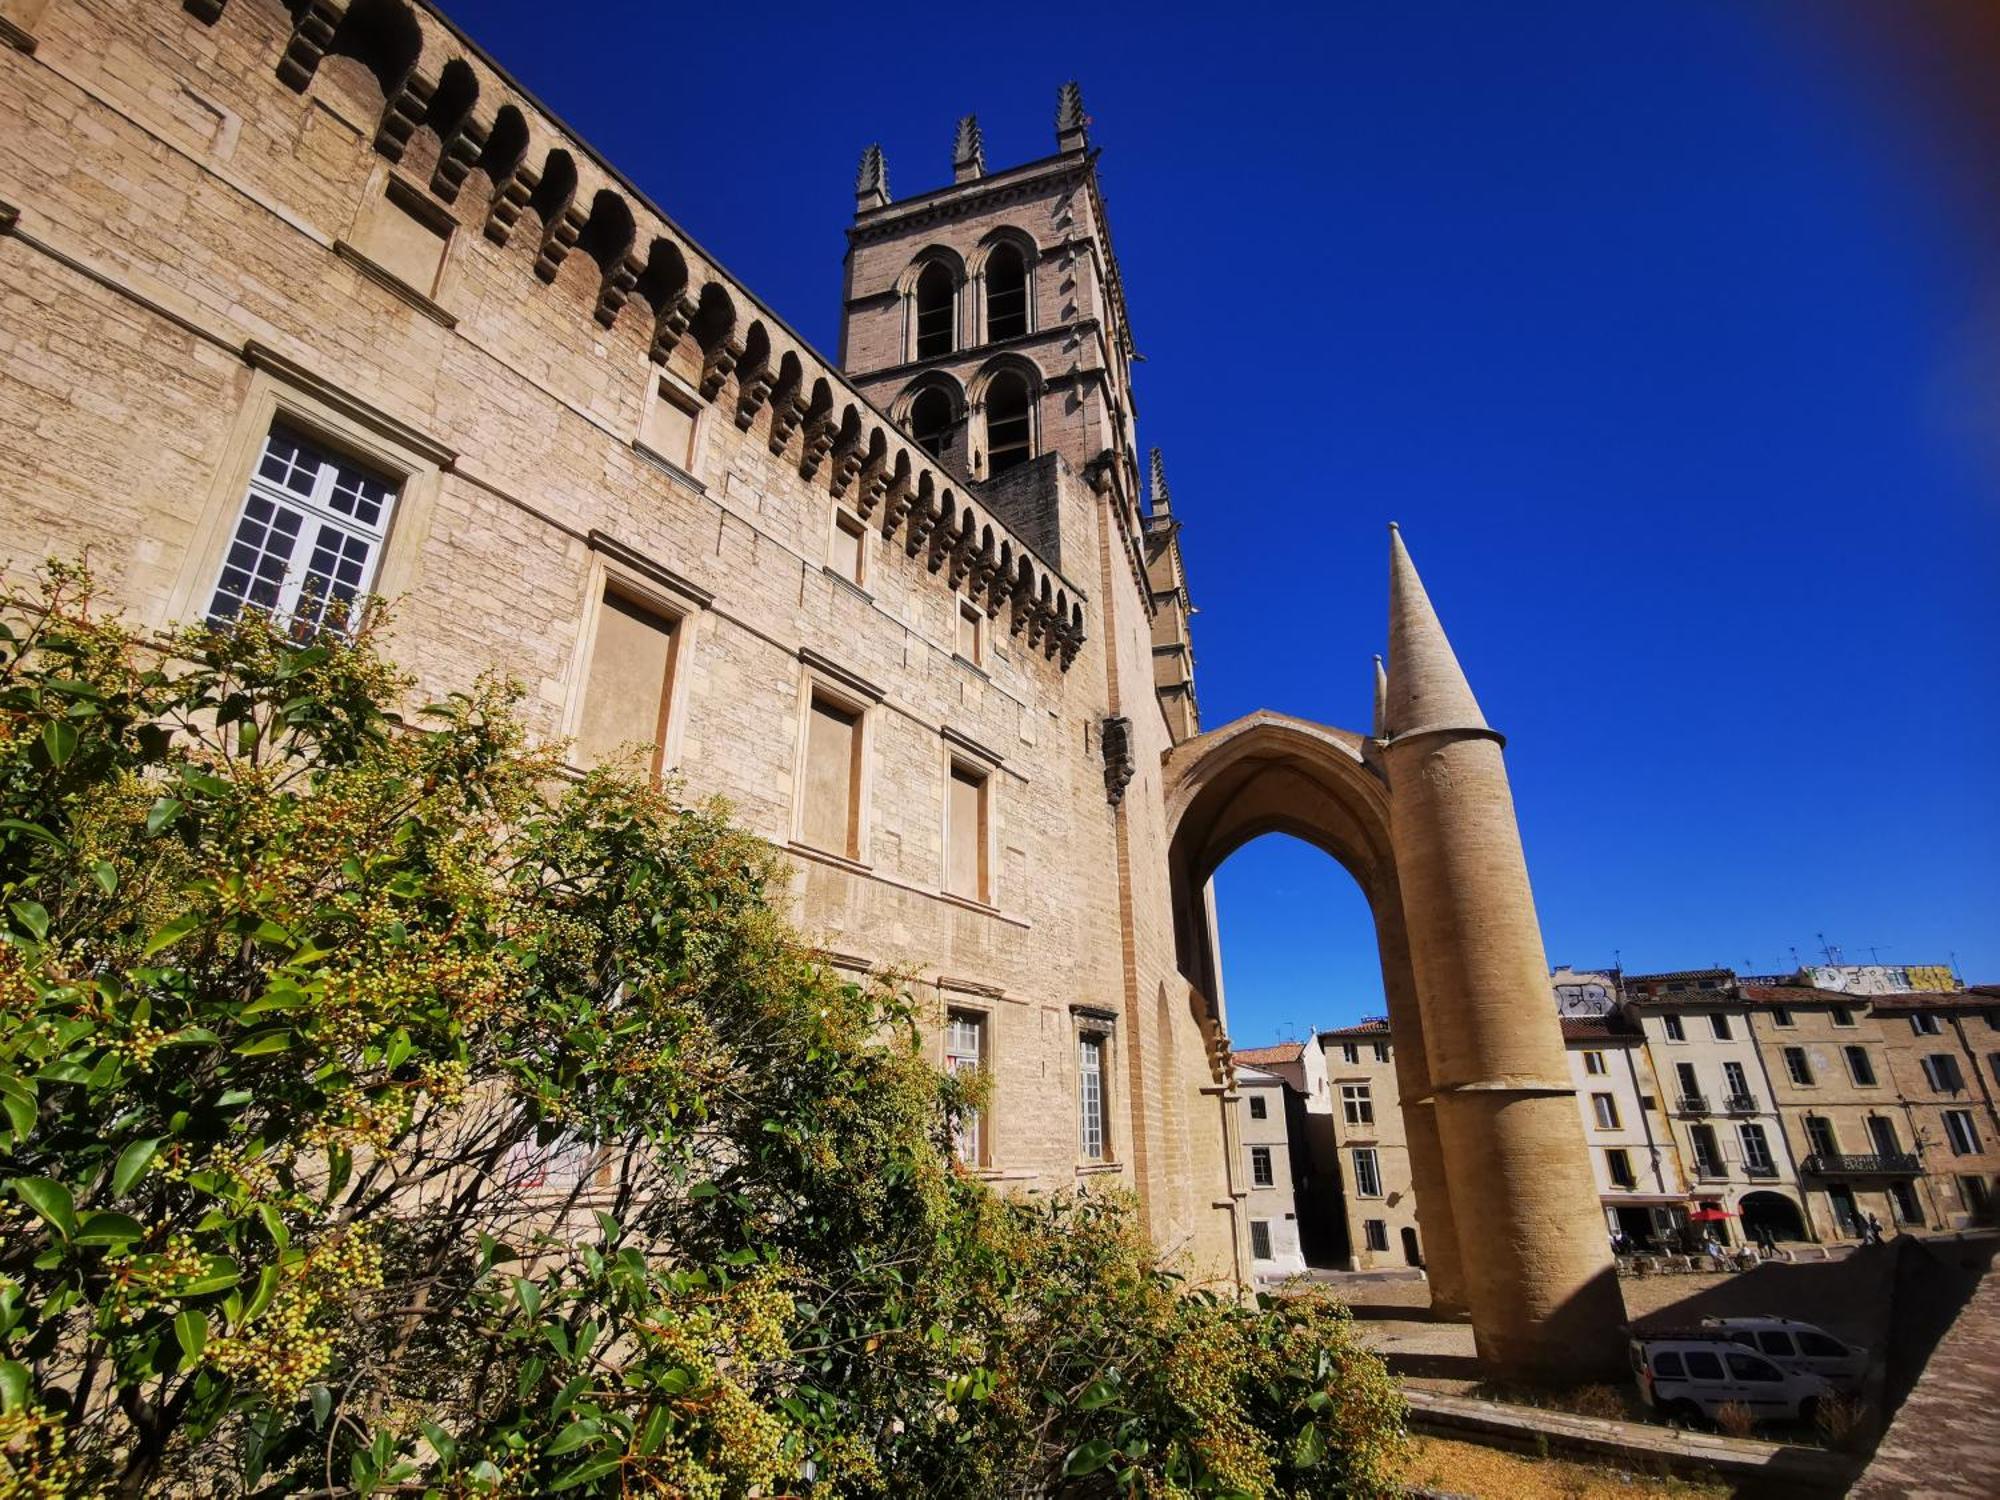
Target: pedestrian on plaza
1874, 1230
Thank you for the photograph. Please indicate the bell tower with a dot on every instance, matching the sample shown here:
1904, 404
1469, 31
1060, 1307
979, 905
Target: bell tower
986, 317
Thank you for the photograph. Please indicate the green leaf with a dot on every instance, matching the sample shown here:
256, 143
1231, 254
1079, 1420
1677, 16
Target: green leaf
529, 1295
275, 1039
32, 916
1097, 1393
33, 831
110, 1229
172, 933
589, 1469
18, 1100
440, 1440
59, 739
163, 812
267, 1288
15, 1384
1088, 1458
107, 875
50, 1199
133, 1163
274, 1225
191, 1328
1309, 1447
573, 1436
218, 1275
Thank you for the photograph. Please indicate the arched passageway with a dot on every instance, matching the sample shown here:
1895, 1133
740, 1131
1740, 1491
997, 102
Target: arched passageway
1772, 1211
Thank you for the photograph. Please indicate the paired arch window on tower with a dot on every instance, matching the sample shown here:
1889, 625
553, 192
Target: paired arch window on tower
930, 420
1006, 293
937, 307
1009, 435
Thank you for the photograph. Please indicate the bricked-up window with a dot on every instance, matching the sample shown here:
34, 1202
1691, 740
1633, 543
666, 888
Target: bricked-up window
1707, 1153
1261, 1174
1860, 1066
1258, 1108
1605, 1110
965, 832
1006, 293
1820, 1139
1367, 1172
1757, 1160
937, 308
308, 539
965, 1052
846, 551
402, 235
1960, 1132
1618, 1166
832, 818
971, 638
1357, 1104
1009, 439
1376, 1231
1942, 1073
930, 420
669, 423
626, 694
1260, 1239
1798, 1067
1092, 1135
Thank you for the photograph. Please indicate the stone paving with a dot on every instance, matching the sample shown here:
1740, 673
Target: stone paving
1944, 1442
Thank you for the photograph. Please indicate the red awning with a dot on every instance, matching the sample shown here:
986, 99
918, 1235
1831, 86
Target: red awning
1709, 1213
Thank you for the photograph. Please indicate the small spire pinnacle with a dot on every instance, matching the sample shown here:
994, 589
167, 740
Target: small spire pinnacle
1162, 500
1427, 689
968, 151
871, 183
1070, 118
1381, 700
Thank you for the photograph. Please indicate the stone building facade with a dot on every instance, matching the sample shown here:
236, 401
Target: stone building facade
310, 302
1270, 1203
1370, 1147
1641, 1178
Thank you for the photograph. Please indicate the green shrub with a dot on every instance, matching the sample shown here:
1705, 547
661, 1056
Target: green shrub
385, 1110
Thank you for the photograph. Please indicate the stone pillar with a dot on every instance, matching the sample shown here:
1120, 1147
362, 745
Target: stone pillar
1539, 1281
1443, 1259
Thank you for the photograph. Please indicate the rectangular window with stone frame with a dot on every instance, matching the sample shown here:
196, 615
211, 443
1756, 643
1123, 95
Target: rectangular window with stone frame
830, 818
1357, 1104
1367, 1173
308, 538
1092, 1101
628, 685
1262, 1174
1260, 1239
964, 1055
1375, 1232
968, 790
1259, 1107
1604, 1109
1618, 1167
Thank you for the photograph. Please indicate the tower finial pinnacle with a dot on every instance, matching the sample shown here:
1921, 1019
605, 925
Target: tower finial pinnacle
968, 151
1162, 500
871, 182
1381, 699
1070, 118
1427, 687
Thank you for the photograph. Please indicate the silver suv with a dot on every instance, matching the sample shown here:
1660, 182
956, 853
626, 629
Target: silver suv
1798, 1346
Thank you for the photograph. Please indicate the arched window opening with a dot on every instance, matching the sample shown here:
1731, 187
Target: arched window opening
935, 296
1006, 294
930, 420
1008, 444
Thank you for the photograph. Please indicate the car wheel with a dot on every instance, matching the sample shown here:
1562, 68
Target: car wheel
1809, 1409
1684, 1412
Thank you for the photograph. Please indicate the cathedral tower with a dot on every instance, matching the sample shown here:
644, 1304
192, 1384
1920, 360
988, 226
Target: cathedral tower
986, 318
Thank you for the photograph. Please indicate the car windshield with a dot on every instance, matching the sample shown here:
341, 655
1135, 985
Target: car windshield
1779, 1344
1819, 1344
1703, 1366
1749, 1367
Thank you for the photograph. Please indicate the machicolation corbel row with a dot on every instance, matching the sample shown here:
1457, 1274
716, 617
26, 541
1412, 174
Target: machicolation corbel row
436, 83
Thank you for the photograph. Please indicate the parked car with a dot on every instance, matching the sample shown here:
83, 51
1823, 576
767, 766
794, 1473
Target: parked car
1793, 1345
1686, 1375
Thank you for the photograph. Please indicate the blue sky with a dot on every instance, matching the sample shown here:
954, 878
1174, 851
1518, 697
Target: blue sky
1670, 333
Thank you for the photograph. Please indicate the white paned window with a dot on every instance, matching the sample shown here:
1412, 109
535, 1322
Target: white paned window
1959, 1130
1367, 1173
1593, 1064
1377, 1233
965, 1052
1756, 1150
1259, 1109
1090, 1097
1605, 1108
308, 539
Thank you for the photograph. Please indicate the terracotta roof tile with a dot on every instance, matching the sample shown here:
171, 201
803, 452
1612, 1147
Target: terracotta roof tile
1373, 1027
1598, 1029
1283, 1052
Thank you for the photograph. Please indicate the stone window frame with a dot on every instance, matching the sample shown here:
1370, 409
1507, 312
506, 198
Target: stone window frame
1848, 1054
844, 518
1262, 1154
1799, 1069
1672, 1026
906, 292
1594, 1065
1942, 1072
1357, 1108
960, 752
1100, 1024
386, 183
1618, 1168
820, 677
1841, 1016
282, 391
976, 391
1604, 1111
964, 609
1260, 1107
659, 381
616, 568
1261, 1229
1375, 1235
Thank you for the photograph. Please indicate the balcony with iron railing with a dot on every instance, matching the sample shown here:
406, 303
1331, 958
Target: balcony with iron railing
1692, 1104
1710, 1171
1740, 1104
1760, 1169
1878, 1164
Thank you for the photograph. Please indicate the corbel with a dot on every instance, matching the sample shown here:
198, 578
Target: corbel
754, 393
616, 289
312, 34
820, 433
509, 198
670, 326
400, 114
559, 237
458, 154
786, 415
717, 365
